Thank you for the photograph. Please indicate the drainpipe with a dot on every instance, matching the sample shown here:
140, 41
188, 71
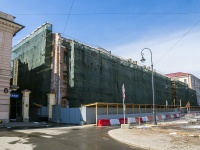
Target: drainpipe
59, 53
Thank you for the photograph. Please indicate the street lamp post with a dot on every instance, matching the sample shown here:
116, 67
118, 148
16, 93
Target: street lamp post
143, 60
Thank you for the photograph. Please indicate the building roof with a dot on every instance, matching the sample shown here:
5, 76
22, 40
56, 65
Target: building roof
177, 74
9, 21
28, 37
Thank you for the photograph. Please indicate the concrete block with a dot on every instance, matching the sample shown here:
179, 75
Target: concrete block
26, 119
125, 126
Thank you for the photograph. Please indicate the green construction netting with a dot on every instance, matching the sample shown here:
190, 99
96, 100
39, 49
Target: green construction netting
34, 70
183, 93
98, 76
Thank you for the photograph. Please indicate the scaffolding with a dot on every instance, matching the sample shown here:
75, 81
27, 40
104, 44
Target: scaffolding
99, 76
181, 93
93, 74
34, 70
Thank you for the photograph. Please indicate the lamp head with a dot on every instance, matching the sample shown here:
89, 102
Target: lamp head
14, 87
142, 60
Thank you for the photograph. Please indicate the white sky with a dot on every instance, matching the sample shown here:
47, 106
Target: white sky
167, 58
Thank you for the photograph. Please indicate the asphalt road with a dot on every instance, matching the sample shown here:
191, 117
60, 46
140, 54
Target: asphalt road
62, 138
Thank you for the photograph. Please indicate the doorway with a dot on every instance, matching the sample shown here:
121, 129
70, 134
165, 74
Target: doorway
15, 108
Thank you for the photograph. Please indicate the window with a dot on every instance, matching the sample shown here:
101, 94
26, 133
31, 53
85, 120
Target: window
65, 57
64, 79
185, 81
193, 82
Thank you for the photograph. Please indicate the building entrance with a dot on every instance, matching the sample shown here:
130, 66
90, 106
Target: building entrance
16, 108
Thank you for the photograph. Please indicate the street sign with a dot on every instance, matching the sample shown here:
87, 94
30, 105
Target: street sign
5, 90
14, 95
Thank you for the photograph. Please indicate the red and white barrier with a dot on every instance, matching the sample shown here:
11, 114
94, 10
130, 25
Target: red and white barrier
132, 120
121, 120
145, 119
150, 118
138, 119
168, 116
159, 117
114, 122
104, 122
108, 122
164, 117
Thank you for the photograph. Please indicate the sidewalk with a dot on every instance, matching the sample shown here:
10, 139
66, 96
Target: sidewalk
160, 137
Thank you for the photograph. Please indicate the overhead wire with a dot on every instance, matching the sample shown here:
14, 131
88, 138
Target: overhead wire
110, 13
68, 16
126, 13
179, 40
117, 13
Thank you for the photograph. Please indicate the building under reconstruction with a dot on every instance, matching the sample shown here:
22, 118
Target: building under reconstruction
189, 79
79, 74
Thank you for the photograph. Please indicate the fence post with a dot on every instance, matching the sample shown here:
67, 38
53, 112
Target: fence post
51, 102
25, 105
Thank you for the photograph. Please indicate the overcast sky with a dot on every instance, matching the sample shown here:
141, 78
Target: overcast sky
170, 28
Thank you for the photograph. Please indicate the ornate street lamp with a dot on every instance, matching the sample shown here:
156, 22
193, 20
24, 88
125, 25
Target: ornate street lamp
13, 87
143, 60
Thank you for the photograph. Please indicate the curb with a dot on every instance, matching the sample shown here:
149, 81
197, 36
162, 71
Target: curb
128, 143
